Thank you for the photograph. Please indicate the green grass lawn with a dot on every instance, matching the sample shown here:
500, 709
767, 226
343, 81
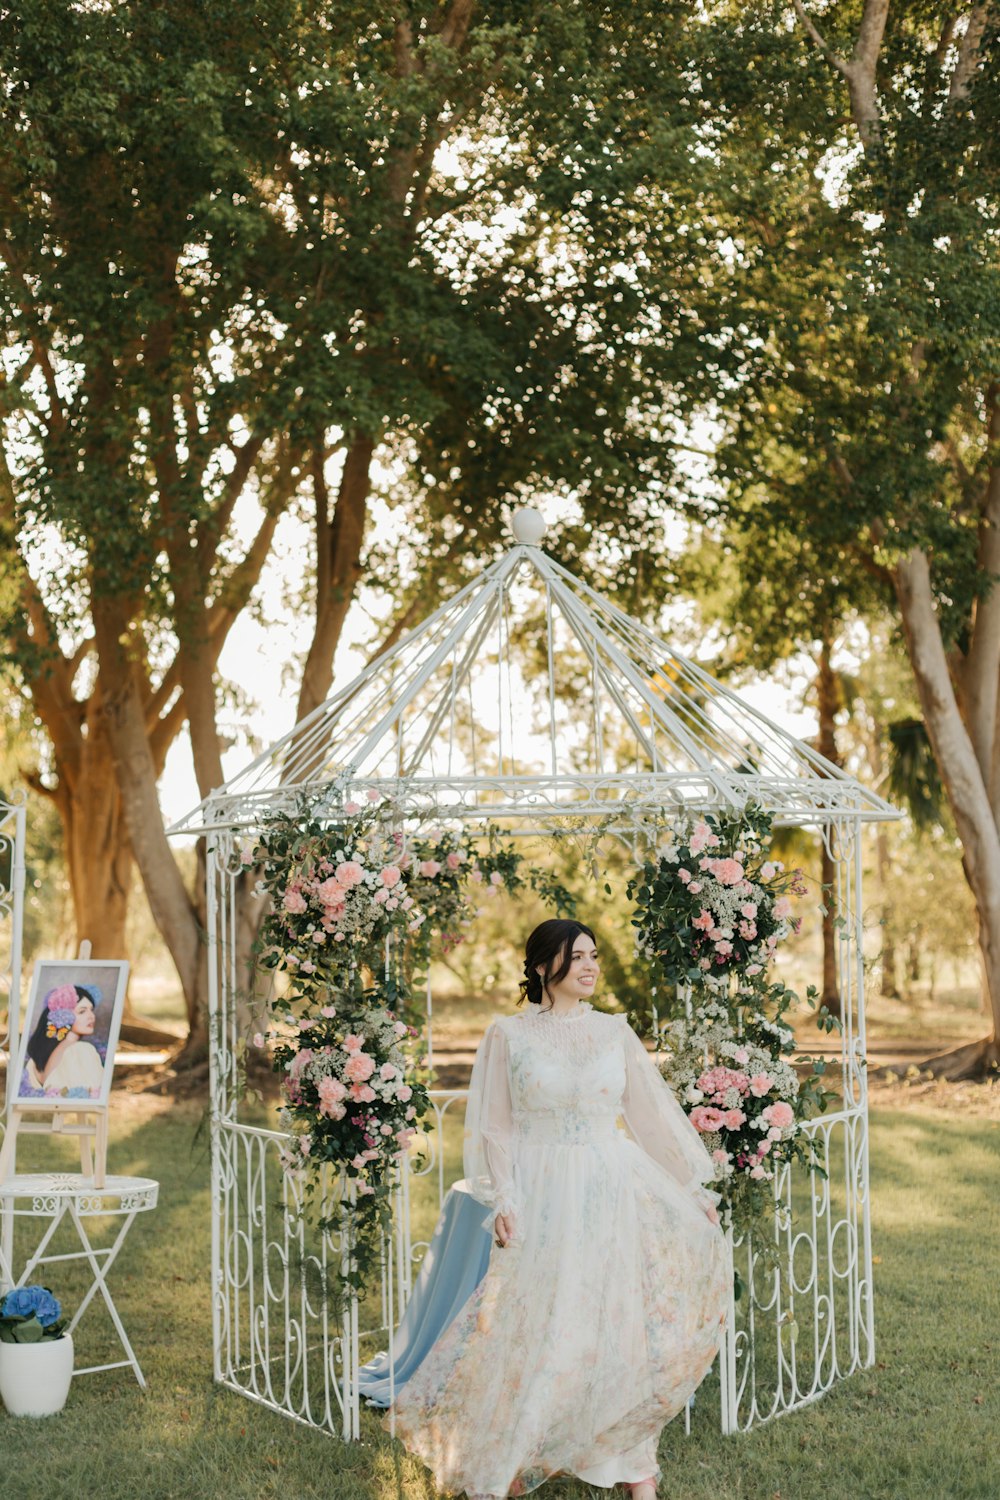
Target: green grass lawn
921, 1425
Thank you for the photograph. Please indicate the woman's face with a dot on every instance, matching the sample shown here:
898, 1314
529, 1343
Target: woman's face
584, 969
84, 1023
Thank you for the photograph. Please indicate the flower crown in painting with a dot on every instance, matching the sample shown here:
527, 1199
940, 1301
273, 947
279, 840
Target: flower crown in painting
61, 1004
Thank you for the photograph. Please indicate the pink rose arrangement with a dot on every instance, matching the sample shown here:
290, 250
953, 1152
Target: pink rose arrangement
712, 909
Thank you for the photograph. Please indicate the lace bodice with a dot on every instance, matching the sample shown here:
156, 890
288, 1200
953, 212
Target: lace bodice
546, 1079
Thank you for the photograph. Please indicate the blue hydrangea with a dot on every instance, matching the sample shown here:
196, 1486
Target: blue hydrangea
26, 1301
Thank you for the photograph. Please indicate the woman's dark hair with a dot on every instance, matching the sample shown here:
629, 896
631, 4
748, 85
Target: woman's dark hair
549, 945
41, 1046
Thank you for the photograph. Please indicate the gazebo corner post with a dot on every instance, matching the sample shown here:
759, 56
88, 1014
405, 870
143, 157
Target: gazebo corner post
866, 1308
728, 1390
16, 910
216, 1101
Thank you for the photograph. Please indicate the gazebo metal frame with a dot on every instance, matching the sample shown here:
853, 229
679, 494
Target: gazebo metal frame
530, 701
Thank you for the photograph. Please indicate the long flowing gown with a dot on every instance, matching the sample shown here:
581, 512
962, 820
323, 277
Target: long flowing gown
595, 1326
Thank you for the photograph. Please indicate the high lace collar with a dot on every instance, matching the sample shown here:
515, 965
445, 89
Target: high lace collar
582, 1008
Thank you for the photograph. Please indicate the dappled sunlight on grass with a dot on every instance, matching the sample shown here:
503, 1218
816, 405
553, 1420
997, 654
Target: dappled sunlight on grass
918, 1426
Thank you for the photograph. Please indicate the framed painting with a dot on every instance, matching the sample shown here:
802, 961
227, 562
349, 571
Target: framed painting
67, 1049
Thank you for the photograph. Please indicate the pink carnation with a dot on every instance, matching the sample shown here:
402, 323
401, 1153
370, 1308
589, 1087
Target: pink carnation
391, 876
704, 921
359, 1067
734, 1119
429, 868
294, 901
353, 1043
748, 930
760, 1084
684, 876
454, 859
372, 794
350, 873
727, 871
749, 911
496, 878
706, 1118
782, 907
720, 1154
694, 887
362, 1092
387, 1071
767, 871
404, 1093
780, 1114
351, 808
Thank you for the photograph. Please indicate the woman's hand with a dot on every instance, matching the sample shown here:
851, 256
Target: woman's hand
503, 1229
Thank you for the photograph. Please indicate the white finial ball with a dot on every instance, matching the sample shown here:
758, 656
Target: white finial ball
528, 525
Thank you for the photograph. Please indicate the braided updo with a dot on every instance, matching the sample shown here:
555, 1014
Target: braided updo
550, 948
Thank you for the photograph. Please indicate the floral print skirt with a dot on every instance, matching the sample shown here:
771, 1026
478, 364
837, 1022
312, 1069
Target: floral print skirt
586, 1335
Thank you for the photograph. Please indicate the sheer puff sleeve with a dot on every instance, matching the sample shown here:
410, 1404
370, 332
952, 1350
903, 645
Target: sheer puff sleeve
658, 1124
489, 1127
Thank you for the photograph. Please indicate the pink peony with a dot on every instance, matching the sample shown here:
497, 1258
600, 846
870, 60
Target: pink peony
353, 1043
359, 1067
704, 921
694, 887
757, 1172
329, 1011
372, 794
362, 1092
404, 1093
429, 868
359, 1163
454, 859
723, 948
391, 876
331, 892
351, 808
331, 1094
350, 873
780, 1114
705, 1118
293, 901
720, 1154
734, 1119
684, 876
387, 1071
760, 1084
727, 871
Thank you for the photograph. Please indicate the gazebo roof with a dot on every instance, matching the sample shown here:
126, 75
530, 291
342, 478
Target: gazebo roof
530, 697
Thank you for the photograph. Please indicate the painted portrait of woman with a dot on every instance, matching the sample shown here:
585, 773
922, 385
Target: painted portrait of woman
64, 1057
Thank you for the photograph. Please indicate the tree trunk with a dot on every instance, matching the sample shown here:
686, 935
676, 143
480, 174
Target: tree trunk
828, 694
966, 789
173, 911
339, 539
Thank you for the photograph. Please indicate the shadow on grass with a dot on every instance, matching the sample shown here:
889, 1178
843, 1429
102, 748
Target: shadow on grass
920, 1425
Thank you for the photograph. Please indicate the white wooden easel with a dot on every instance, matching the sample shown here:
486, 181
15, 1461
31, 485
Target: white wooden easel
71, 1117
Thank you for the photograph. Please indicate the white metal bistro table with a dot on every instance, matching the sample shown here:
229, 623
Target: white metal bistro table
51, 1197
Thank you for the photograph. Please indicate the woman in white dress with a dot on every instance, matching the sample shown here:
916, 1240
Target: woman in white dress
605, 1298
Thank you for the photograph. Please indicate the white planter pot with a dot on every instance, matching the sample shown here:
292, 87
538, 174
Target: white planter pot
34, 1378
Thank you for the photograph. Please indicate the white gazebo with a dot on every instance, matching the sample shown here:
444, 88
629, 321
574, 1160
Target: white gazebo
530, 700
